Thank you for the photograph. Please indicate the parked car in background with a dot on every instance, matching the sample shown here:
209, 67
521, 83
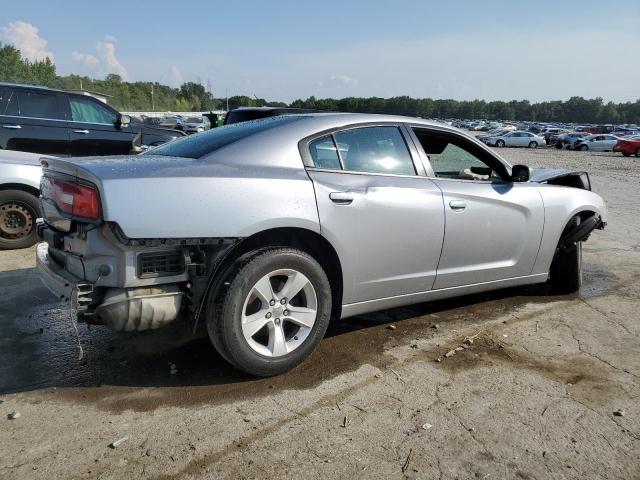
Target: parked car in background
20, 174
281, 211
516, 139
43, 120
568, 140
173, 122
596, 143
196, 124
550, 135
628, 146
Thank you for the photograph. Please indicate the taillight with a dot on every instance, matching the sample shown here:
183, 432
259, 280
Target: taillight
75, 199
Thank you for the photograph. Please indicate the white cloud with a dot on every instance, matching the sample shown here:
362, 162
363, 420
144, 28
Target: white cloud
107, 53
174, 77
90, 60
333, 81
105, 60
25, 38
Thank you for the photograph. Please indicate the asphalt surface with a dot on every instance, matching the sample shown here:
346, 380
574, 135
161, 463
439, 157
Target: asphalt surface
533, 396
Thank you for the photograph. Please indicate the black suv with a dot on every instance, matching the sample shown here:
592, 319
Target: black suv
42, 120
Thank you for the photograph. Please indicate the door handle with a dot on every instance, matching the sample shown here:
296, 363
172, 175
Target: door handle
457, 205
12, 127
341, 198
84, 132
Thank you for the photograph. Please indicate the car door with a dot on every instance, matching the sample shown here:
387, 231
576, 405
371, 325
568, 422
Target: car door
385, 218
609, 142
31, 120
493, 226
94, 130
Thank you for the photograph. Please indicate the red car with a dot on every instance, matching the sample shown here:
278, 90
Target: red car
628, 146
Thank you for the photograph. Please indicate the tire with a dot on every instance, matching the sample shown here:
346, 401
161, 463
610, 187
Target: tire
533, 144
565, 274
638, 153
281, 343
18, 213
500, 143
583, 148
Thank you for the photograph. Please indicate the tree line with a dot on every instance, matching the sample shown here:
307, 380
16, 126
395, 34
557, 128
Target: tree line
192, 96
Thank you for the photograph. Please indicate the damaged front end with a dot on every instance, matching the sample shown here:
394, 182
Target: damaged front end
561, 177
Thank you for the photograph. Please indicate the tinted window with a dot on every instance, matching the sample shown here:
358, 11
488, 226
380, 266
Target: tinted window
5, 94
375, 150
90, 111
33, 104
324, 154
197, 146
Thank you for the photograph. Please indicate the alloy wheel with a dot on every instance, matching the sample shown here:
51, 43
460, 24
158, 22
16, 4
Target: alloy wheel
279, 313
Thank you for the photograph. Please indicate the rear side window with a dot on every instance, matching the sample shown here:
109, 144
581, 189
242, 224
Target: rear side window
197, 146
375, 150
324, 153
25, 103
90, 111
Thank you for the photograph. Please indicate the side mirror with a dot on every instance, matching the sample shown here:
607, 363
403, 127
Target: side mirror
520, 173
123, 120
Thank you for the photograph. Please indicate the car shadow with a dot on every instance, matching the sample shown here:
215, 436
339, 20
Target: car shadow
43, 348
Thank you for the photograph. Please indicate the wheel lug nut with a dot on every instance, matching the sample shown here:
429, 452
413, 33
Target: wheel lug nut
283, 301
286, 313
272, 302
277, 321
295, 337
268, 315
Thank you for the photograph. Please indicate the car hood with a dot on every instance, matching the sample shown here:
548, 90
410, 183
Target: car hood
540, 175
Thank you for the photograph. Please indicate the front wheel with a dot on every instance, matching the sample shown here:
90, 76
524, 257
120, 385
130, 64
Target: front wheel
565, 274
583, 148
18, 213
500, 143
274, 312
533, 144
638, 153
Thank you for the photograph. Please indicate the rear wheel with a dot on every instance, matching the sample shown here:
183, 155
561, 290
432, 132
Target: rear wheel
500, 143
565, 274
533, 144
18, 213
273, 313
638, 153
583, 148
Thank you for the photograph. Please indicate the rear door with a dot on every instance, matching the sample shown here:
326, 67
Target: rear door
93, 128
375, 205
493, 226
32, 120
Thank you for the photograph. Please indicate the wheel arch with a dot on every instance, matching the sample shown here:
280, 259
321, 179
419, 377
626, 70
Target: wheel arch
20, 186
295, 237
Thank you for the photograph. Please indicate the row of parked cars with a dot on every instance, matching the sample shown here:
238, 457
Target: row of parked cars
602, 138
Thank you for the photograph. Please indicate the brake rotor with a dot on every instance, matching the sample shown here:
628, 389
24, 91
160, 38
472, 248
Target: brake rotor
16, 220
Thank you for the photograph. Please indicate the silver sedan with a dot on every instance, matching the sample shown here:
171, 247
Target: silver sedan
298, 219
516, 139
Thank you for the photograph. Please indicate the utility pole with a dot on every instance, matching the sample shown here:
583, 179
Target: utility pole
226, 94
153, 103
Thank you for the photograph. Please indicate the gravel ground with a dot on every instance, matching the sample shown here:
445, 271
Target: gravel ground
533, 397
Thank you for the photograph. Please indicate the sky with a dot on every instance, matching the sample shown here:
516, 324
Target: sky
283, 50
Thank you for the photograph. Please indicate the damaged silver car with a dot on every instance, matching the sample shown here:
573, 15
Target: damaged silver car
265, 230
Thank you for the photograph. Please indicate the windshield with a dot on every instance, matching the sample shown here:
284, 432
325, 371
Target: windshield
194, 120
197, 146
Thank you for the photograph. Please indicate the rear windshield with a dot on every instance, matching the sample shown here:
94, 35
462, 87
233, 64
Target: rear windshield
197, 146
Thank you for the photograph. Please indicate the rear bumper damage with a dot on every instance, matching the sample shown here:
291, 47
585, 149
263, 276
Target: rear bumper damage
122, 309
